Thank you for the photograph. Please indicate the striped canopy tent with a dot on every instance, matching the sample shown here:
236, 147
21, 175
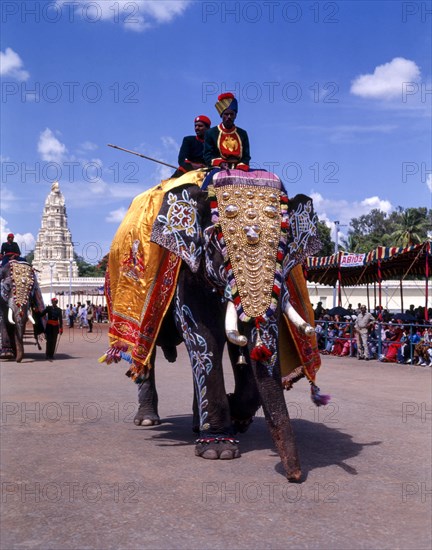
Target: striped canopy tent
346, 269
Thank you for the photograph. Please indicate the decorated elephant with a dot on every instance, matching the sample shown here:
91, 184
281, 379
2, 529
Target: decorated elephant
228, 258
19, 292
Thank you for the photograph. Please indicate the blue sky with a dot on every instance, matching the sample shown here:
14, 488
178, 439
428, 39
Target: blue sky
335, 96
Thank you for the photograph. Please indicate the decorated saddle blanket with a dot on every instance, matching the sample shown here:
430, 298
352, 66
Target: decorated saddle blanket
140, 280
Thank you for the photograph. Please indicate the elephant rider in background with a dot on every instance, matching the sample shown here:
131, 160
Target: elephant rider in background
192, 148
9, 249
226, 145
54, 327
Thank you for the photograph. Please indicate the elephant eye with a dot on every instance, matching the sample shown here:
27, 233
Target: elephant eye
231, 211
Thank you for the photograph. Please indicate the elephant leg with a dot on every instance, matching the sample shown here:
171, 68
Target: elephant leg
147, 414
6, 340
245, 401
199, 318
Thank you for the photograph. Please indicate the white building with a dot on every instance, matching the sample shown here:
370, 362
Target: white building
57, 270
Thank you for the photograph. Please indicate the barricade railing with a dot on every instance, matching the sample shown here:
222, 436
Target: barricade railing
376, 343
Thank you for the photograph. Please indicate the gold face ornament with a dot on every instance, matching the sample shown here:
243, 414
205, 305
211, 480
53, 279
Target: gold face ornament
251, 225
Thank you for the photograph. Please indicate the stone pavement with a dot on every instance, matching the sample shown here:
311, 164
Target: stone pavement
78, 474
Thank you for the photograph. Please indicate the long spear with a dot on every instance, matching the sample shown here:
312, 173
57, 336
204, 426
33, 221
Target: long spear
142, 156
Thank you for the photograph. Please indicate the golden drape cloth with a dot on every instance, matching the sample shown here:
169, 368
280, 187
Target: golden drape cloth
141, 276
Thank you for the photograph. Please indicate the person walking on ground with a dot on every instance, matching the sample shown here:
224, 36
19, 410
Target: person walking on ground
363, 322
90, 311
54, 327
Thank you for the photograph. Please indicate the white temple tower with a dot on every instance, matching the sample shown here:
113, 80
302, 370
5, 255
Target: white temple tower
53, 255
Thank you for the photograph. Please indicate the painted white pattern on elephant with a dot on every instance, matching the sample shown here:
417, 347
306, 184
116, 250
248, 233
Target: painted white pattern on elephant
201, 358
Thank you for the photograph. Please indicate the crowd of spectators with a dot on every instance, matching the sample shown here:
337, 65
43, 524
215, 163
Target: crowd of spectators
85, 314
404, 338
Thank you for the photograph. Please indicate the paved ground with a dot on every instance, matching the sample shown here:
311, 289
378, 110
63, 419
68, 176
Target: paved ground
78, 474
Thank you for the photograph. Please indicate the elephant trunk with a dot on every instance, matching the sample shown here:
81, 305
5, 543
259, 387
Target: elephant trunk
231, 326
18, 317
19, 349
278, 421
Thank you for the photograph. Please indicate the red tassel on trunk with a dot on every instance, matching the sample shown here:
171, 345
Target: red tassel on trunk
260, 352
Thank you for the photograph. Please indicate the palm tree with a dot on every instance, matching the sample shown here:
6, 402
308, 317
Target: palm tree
413, 227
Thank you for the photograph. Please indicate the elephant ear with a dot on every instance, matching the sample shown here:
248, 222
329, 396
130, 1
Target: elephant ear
302, 239
178, 224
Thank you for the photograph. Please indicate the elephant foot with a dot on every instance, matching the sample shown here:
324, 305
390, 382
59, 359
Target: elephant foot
217, 448
7, 353
146, 419
150, 422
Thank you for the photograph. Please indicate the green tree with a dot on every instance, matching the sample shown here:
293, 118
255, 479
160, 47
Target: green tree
324, 234
400, 227
369, 231
413, 226
88, 270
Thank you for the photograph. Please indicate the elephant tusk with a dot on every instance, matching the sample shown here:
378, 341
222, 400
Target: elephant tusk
231, 326
10, 317
297, 320
30, 318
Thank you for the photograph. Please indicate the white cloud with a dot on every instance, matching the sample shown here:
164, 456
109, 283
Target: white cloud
26, 241
50, 148
116, 216
170, 143
137, 16
372, 203
429, 182
342, 210
7, 197
11, 65
88, 146
386, 82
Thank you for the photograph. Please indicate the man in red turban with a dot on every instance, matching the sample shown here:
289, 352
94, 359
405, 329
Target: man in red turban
192, 148
226, 145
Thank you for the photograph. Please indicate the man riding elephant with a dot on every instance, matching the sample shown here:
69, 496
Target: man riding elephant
225, 145
192, 148
9, 249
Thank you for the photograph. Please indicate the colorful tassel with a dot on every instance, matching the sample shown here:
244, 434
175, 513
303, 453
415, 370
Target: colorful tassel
114, 354
318, 398
260, 352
